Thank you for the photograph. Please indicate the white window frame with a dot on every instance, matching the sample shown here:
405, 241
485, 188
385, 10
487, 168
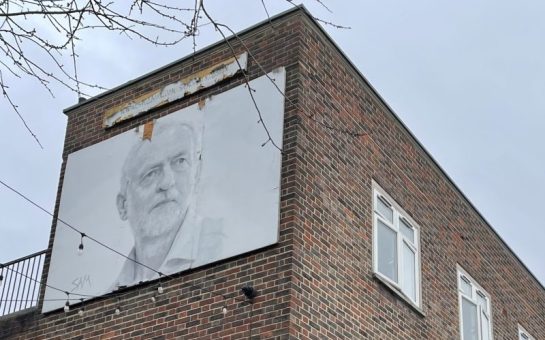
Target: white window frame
476, 289
398, 214
522, 333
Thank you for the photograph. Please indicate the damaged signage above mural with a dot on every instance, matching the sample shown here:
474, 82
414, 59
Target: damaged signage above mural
190, 188
189, 85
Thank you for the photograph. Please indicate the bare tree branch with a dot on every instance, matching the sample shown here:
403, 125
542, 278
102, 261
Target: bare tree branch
33, 29
267, 12
16, 109
312, 117
26, 25
247, 78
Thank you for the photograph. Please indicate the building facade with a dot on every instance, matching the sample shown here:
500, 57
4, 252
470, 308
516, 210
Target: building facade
374, 240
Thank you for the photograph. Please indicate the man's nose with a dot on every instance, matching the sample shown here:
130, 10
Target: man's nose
167, 180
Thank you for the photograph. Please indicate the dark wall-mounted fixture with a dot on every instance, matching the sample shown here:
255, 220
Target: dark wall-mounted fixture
249, 291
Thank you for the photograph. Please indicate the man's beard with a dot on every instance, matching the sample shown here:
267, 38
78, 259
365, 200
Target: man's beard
160, 221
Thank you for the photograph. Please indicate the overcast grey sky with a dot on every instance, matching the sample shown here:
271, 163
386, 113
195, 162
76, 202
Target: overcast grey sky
467, 77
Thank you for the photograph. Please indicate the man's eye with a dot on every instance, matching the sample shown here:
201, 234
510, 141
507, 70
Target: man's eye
179, 163
150, 176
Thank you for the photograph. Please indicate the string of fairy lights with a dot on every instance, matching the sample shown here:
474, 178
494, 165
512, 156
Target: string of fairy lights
117, 310
248, 291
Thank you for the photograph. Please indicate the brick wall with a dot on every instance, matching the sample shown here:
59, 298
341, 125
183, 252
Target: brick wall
317, 282
183, 311
349, 137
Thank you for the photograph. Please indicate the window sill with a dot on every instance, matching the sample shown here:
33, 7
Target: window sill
399, 293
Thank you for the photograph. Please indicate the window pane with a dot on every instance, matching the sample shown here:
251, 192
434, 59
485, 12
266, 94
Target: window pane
384, 210
406, 230
482, 301
387, 251
465, 287
485, 327
409, 280
469, 320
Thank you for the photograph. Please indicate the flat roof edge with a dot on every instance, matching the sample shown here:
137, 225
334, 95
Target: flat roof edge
419, 144
296, 8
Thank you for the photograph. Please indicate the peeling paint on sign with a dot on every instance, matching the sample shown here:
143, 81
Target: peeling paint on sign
189, 85
148, 130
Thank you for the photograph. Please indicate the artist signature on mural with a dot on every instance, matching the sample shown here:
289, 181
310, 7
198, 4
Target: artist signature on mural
81, 282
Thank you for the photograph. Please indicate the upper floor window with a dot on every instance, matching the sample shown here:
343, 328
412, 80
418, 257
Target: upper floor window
524, 335
475, 309
396, 246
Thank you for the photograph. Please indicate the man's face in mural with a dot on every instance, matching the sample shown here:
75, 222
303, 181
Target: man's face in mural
159, 177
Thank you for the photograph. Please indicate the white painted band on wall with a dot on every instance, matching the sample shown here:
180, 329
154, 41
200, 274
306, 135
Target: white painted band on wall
189, 85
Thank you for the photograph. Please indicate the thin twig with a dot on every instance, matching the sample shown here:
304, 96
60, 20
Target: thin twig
267, 12
15, 108
264, 72
246, 78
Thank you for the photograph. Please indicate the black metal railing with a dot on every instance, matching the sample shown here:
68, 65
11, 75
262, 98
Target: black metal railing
20, 288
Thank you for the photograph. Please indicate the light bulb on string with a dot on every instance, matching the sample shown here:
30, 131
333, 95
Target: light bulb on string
117, 310
224, 308
153, 299
67, 304
80, 247
81, 311
160, 289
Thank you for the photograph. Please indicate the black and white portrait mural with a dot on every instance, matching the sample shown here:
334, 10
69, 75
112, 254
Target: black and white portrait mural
188, 189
